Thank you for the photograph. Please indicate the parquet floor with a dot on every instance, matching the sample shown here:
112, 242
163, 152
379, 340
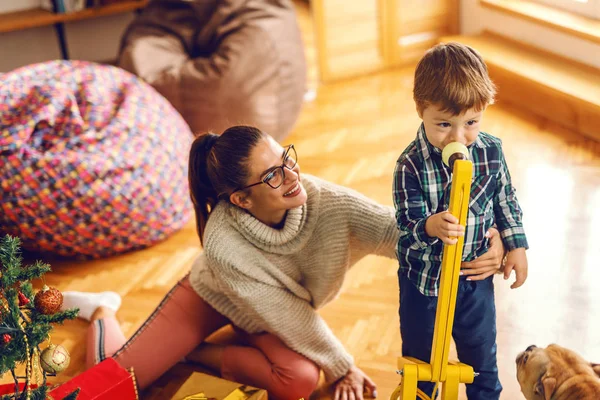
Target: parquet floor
352, 134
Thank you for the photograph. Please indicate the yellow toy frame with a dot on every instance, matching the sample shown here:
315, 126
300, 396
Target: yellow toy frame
439, 369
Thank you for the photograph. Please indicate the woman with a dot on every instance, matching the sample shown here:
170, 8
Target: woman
277, 246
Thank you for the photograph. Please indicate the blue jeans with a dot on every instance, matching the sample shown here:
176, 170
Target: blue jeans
474, 332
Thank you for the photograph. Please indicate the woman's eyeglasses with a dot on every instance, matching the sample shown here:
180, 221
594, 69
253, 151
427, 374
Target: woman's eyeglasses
276, 175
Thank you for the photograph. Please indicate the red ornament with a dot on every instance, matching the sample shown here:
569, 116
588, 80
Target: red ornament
6, 338
48, 300
23, 300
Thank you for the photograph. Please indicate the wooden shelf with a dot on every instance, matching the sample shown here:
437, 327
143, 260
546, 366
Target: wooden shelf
577, 25
37, 17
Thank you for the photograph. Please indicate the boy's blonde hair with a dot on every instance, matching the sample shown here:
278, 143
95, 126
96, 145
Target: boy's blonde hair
454, 77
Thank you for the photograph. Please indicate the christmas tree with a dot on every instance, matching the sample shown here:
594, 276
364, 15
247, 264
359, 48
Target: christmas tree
25, 324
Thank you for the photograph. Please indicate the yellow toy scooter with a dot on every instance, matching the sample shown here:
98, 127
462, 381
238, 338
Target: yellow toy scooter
440, 370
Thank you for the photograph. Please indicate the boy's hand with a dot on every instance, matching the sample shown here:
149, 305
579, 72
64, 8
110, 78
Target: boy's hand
444, 226
517, 260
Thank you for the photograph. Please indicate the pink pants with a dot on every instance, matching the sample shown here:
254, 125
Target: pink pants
180, 323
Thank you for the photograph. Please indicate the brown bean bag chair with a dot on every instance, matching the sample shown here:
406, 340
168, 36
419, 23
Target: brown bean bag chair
221, 62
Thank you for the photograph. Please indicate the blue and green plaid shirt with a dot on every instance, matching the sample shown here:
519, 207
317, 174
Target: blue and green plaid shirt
422, 188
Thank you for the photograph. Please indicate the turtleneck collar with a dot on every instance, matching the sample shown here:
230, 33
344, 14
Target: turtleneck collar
297, 228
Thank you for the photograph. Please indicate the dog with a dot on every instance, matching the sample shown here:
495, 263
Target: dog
556, 373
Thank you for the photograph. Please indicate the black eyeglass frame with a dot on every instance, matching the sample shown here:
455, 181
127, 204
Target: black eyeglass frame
283, 166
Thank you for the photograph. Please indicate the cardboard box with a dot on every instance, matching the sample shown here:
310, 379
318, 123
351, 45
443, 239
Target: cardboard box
200, 386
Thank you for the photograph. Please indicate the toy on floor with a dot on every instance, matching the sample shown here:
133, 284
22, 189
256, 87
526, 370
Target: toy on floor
440, 369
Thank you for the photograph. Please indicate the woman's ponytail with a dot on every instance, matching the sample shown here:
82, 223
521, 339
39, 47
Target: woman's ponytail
202, 192
219, 165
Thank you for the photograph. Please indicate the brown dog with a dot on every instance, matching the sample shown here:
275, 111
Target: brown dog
556, 373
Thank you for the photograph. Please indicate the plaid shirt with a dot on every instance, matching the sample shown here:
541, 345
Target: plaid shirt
422, 188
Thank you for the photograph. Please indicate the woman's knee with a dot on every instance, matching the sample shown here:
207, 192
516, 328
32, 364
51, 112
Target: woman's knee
299, 381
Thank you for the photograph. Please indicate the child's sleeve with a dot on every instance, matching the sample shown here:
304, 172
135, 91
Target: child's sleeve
507, 211
412, 210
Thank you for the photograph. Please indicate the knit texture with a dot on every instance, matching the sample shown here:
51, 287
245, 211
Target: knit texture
270, 280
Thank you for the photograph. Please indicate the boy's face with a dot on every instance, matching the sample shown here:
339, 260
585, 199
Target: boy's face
442, 127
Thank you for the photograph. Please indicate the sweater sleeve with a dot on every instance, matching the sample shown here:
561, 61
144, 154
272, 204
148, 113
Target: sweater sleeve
290, 318
373, 225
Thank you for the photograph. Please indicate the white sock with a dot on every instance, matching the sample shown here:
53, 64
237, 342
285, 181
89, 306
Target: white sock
88, 302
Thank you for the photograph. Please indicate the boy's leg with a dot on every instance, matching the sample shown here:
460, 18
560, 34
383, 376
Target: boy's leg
417, 322
181, 322
475, 336
271, 365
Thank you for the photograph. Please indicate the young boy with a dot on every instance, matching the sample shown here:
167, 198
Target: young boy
452, 90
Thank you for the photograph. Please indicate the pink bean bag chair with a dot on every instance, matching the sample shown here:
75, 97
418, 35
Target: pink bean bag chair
93, 161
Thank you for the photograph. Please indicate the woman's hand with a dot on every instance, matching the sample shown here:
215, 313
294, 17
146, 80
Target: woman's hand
352, 386
489, 263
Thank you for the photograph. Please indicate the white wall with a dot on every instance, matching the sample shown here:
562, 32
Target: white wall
475, 18
93, 39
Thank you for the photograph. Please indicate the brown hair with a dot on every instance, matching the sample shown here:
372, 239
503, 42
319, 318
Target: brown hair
217, 166
454, 77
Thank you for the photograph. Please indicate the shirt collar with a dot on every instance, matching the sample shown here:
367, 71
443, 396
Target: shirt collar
423, 146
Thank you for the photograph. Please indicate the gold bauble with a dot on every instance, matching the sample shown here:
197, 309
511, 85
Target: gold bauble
54, 359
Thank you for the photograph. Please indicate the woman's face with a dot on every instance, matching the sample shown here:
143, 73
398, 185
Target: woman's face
265, 203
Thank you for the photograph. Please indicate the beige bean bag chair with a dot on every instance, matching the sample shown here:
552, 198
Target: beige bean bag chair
221, 62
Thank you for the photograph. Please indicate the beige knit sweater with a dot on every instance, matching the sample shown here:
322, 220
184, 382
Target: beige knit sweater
269, 280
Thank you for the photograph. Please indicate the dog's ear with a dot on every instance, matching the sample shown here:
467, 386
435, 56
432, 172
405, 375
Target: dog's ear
545, 387
596, 368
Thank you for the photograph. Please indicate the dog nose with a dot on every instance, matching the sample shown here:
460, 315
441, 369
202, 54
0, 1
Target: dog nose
533, 346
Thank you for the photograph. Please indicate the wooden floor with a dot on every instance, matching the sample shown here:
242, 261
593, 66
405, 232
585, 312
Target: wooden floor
352, 134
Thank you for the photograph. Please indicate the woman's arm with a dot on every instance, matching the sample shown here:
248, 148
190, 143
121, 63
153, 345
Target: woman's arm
374, 227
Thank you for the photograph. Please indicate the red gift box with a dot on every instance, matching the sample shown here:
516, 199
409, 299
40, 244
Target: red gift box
9, 388
105, 381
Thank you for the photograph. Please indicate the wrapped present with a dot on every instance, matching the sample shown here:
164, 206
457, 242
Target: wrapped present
9, 388
105, 381
201, 386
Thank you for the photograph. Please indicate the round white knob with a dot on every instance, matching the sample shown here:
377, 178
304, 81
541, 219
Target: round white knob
455, 148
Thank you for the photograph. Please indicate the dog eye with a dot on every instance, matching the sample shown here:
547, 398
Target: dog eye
525, 358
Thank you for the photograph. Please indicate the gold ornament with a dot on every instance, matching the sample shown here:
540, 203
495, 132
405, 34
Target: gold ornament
48, 300
54, 359
37, 368
27, 364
